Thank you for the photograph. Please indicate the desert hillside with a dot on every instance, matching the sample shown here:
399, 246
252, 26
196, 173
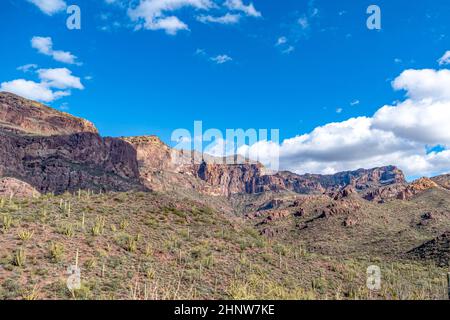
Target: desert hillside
144, 221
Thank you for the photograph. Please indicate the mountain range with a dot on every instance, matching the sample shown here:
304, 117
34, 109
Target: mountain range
373, 212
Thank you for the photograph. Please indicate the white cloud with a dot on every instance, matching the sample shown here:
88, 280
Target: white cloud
151, 14
419, 121
162, 14
54, 84
50, 7
32, 90
221, 59
225, 19
400, 134
170, 24
445, 59
238, 5
60, 78
425, 116
44, 45
424, 84
355, 103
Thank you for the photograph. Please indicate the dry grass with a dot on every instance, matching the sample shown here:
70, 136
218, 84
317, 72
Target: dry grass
157, 247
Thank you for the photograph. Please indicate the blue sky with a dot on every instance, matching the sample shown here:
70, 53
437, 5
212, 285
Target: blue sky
294, 65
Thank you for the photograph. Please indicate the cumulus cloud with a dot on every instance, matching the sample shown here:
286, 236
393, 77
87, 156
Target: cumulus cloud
152, 14
54, 84
32, 90
60, 78
402, 134
422, 121
425, 115
44, 45
50, 7
424, 84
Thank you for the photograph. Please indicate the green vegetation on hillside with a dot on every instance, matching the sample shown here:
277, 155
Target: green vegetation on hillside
151, 246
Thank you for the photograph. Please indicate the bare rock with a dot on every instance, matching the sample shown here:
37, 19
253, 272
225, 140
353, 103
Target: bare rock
20, 114
417, 187
56, 152
11, 187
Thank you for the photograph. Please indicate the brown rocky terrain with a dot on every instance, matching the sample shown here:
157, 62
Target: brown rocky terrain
437, 249
10, 187
417, 187
55, 152
442, 180
30, 117
197, 211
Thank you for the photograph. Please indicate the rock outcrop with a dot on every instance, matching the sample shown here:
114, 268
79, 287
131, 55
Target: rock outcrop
384, 193
416, 187
26, 116
11, 187
55, 152
251, 178
163, 168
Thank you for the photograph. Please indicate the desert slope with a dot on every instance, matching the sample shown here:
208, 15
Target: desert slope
151, 222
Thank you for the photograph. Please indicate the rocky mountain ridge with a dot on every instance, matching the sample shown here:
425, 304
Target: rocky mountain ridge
56, 152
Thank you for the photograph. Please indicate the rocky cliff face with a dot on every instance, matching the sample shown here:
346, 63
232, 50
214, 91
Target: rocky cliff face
26, 116
162, 168
251, 178
55, 152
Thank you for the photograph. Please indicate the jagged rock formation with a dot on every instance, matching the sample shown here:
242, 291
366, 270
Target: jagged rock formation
50, 151
384, 193
162, 168
251, 178
56, 152
416, 187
